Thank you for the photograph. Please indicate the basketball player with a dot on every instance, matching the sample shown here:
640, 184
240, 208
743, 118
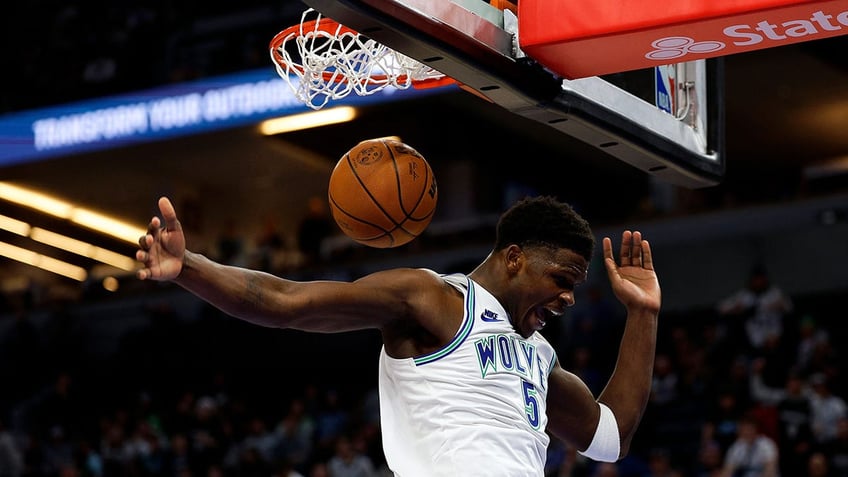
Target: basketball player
467, 384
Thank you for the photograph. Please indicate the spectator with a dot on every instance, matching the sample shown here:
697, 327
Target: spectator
778, 359
583, 366
752, 454
251, 463
58, 450
180, 461
114, 449
181, 418
294, 435
794, 418
57, 406
687, 357
315, 226
347, 462
722, 419
736, 380
268, 245
207, 436
606, 469
719, 351
319, 469
664, 382
660, 465
828, 409
230, 245
286, 469
709, 462
88, 459
560, 458
817, 466
760, 307
259, 438
331, 420
151, 455
837, 449
811, 338
591, 323
11, 457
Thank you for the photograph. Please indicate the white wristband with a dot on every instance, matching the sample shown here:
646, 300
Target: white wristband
606, 444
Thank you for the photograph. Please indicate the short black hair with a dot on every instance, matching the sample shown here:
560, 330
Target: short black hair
545, 221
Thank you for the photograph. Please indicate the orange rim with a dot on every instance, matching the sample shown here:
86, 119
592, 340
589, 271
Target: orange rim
334, 28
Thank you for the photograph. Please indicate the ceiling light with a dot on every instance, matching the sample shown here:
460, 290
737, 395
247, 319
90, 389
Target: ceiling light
14, 225
111, 258
84, 249
107, 225
68, 244
42, 261
315, 119
35, 200
65, 210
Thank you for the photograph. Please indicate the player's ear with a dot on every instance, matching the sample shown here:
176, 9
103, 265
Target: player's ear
514, 257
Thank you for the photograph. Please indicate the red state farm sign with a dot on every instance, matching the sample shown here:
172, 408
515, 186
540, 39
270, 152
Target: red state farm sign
580, 39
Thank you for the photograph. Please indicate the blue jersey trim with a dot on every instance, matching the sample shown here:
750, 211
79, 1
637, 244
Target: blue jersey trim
460, 337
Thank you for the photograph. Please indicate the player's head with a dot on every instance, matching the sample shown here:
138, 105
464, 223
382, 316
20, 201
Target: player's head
545, 247
547, 222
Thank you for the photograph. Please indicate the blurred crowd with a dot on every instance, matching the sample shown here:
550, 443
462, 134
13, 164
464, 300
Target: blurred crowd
750, 387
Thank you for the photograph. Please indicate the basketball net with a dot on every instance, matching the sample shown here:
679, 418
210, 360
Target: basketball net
322, 60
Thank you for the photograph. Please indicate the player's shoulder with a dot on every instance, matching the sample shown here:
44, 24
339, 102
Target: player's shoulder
429, 299
416, 278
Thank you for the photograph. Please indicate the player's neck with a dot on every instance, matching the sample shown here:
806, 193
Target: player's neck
486, 274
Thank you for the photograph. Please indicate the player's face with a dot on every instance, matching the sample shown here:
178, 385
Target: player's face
548, 280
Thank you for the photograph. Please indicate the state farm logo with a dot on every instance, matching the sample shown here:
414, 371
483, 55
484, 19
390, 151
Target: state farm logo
673, 47
744, 37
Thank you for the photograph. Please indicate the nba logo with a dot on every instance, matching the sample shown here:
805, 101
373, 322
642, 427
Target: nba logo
665, 81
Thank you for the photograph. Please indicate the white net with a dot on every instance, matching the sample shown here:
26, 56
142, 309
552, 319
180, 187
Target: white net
321, 60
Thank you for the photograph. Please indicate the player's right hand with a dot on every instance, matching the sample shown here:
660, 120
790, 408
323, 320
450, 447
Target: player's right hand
162, 248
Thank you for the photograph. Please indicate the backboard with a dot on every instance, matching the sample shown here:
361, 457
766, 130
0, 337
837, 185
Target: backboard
477, 44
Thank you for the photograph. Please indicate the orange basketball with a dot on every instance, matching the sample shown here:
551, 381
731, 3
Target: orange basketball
382, 193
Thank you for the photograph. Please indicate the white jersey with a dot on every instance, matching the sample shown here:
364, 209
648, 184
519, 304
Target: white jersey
473, 408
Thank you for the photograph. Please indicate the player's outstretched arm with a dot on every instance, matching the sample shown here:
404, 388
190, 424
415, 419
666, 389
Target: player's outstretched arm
269, 300
634, 282
573, 412
240, 292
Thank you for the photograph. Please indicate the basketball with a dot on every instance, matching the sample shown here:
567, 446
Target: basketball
382, 193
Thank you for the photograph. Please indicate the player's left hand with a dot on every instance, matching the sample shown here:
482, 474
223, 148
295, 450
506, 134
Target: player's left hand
634, 280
